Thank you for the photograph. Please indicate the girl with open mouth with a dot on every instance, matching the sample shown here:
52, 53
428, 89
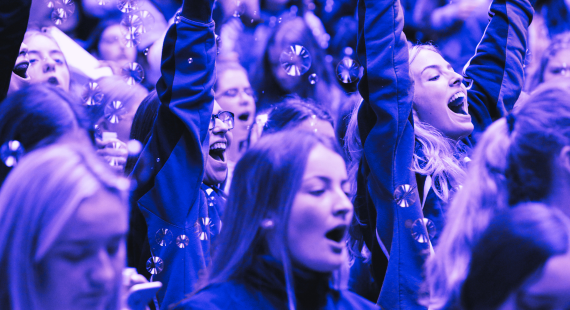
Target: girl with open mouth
285, 227
416, 111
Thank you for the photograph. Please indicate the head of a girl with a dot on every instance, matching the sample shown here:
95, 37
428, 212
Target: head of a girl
277, 80
130, 97
285, 36
39, 115
235, 94
63, 247
538, 160
440, 97
288, 200
526, 268
555, 61
47, 62
109, 43
300, 114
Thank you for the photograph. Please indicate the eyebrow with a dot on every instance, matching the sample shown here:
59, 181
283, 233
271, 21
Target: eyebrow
429, 67
50, 52
324, 179
438, 67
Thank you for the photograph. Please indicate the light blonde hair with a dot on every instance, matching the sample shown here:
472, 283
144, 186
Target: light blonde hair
483, 194
442, 159
37, 199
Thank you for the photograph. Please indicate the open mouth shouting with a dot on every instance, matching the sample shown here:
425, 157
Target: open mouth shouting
458, 103
337, 235
53, 81
218, 150
244, 117
21, 68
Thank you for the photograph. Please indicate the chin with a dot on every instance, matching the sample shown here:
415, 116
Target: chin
327, 266
326, 263
465, 133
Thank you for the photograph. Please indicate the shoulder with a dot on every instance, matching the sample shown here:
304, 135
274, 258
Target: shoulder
227, 295
350, 300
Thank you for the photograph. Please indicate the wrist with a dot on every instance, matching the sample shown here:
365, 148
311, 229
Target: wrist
198, 10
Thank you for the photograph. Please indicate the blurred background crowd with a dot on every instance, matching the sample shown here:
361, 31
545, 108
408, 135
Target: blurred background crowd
124, 38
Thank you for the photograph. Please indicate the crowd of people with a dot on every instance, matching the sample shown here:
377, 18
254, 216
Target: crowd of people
285, 154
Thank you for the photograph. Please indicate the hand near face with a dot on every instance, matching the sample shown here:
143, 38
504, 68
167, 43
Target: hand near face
114, 151
130, 279
20, 77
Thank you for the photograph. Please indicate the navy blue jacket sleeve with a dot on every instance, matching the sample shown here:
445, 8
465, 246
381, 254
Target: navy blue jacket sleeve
497, 68
388, 139
171, 200
14, 15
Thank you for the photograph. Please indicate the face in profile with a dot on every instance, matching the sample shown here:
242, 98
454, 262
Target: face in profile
321, 213
440, 98
216, 168
20, 77
47, 63
548, 288
83, 269
111, 48
558, 65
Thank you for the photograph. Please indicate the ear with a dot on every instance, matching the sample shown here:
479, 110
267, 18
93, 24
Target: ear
564, 158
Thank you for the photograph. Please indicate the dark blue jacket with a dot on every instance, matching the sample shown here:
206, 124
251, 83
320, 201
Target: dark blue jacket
387, 201
264, 288
176, 212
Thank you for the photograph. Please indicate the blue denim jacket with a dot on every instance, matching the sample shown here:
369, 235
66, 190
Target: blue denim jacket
180, 224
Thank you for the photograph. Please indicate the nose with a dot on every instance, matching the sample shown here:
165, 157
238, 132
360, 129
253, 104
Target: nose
456, 79
49, 65
220, 127
245, 99
102, 272
343, 206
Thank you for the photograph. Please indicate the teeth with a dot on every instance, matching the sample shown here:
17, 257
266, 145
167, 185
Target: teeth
218, 145
457, 95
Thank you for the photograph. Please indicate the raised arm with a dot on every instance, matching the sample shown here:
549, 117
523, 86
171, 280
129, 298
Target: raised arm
497, 67
170, 199
14, 15
387, 134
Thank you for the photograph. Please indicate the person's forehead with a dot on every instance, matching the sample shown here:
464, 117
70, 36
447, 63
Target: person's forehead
325, 163
232, 78
112, 30
426, 58
41, 43
102, 214
562, 55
